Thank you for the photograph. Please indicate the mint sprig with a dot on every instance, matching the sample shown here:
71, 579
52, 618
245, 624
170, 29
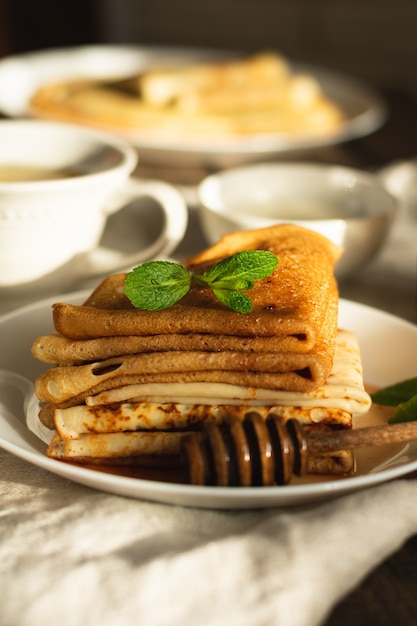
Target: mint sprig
403, 396
157, 285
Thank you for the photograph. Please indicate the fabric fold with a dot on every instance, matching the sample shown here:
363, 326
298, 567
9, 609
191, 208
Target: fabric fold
175, 565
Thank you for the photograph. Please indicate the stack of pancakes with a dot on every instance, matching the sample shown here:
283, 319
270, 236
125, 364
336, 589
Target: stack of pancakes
127, 385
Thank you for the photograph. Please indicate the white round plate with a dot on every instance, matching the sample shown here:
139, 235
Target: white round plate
389, 353
21, 75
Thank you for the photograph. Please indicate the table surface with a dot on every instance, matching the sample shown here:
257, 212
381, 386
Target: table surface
387, 595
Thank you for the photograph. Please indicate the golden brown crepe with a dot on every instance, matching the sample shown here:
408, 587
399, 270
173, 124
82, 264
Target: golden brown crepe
258, 94
181, 405
138, 423
294, 317
296, 305
127, 384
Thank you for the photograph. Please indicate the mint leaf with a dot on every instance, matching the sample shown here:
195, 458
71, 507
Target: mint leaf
242, 268
402, 395
397, 393
236, 300
157, 285
406, 411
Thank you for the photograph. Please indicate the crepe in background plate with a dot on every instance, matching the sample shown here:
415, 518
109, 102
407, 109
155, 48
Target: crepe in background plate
258, 94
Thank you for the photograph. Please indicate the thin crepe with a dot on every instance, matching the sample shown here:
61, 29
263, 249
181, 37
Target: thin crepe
161, 449
297, 305
160, 406
254, 95
286, 342
57, 350
273, 371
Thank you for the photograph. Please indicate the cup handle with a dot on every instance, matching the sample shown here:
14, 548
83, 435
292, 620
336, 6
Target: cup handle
103, 260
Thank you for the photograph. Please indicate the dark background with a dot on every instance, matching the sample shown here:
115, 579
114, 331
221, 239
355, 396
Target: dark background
373, 39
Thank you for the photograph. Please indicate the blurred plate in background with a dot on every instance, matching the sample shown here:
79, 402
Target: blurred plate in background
21, 75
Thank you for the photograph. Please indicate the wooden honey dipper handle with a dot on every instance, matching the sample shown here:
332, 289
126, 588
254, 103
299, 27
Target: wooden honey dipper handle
254, 452
361, 437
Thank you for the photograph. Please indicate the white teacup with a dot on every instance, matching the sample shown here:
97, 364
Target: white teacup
58, 185
350, 207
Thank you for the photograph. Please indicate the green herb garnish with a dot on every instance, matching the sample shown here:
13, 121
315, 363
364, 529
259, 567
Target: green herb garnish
157, 285
403, 396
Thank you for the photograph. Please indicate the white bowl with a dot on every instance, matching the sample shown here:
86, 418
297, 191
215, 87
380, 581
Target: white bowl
350, 207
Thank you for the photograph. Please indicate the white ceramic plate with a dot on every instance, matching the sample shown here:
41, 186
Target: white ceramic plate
21, 75
389, 352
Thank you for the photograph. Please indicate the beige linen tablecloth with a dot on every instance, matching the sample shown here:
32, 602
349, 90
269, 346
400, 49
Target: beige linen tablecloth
73, 556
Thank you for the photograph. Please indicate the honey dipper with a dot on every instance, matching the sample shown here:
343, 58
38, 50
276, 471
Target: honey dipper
258, 452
